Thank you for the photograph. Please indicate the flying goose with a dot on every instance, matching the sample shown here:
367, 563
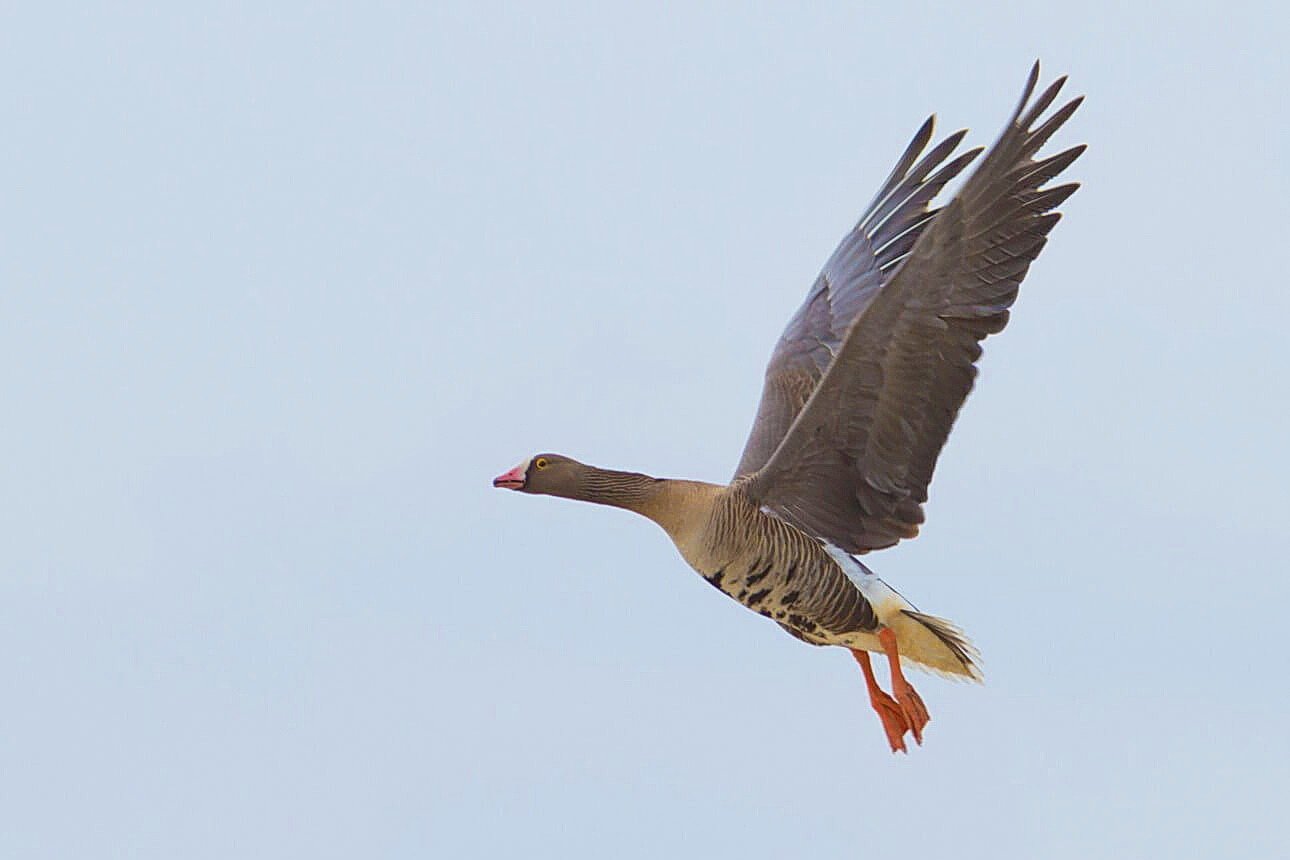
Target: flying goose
860, 394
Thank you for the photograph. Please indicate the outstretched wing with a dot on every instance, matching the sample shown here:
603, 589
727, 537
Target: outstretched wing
862, 263
855, 465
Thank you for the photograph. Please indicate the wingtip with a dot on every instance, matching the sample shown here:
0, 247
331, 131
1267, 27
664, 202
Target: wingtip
1028, 91
958, 136
926, 130
1046, 98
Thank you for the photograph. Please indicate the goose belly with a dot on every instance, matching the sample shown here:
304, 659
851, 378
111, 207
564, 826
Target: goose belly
811, 597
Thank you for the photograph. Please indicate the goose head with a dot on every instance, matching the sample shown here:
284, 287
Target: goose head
545, 474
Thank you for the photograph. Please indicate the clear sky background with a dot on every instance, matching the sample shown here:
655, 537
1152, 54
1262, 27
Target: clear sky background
282, 290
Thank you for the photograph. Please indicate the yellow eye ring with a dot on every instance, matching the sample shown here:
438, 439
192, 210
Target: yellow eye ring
540, 462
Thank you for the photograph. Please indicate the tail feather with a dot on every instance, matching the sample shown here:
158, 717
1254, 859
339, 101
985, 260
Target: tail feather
956, 641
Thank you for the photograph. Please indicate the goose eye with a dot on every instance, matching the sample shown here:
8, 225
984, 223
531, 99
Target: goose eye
540, 462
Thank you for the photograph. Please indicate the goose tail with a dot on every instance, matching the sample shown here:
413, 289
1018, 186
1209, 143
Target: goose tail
952, 654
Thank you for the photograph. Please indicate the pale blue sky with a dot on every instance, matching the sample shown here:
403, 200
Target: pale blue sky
283, 290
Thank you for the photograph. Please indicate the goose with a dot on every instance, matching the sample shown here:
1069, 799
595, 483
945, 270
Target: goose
859, 397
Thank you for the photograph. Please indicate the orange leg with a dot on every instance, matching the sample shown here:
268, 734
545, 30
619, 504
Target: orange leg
894, 721
910, 702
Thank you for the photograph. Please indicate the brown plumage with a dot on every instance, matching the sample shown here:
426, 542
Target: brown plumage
860, 395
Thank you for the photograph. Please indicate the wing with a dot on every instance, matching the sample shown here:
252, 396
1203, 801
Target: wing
862, 263
855, 465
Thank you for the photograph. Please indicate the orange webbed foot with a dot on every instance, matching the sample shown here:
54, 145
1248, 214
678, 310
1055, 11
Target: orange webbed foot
892, 713
911, 704
894, 721
912, 708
